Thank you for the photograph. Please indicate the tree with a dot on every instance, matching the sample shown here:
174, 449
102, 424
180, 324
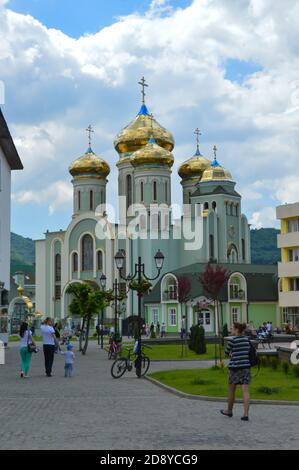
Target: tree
213, 282
184, 295
87, 300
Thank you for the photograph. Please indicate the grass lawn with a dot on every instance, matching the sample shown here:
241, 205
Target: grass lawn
209, 382
173, 352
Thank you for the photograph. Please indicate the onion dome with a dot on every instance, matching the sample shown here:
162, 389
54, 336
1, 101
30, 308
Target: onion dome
216, 172
89, 165
194, 167
139, 131
152, 154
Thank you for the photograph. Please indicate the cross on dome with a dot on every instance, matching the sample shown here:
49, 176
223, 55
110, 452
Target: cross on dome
143, 85
90, 131
197, 132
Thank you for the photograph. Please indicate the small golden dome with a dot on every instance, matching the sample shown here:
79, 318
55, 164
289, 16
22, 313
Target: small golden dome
194, 167
152, 154
89, 165
216, 173
138, 132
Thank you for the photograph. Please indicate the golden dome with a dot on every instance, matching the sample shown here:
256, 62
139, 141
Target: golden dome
194, 167
152, 154
138, 132
216, 173
89, 165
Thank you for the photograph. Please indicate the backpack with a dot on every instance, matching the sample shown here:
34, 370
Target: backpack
253, 357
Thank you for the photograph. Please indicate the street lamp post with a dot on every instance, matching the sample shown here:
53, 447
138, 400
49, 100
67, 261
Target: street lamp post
117, 297
138, 274
103, 281
2, 284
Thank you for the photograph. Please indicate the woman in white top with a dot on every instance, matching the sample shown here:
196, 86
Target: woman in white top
25, 339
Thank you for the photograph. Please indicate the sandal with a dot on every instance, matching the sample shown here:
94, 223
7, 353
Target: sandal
229, 415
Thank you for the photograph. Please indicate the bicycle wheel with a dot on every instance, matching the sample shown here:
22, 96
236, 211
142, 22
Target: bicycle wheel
145, 363
119, 367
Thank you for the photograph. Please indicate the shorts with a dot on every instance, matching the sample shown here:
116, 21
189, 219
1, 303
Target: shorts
239, 377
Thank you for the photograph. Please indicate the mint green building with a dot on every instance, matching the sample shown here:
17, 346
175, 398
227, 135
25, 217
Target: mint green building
211, 227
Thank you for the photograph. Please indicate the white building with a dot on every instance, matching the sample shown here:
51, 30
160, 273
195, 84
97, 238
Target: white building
9, 160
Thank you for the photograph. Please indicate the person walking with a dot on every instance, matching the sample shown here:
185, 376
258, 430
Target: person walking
238, 348
69, 360
26, 338
163, 330
152, 330
49, 343
158, 329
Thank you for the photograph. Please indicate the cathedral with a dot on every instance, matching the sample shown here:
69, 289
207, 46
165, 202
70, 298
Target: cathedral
211, 228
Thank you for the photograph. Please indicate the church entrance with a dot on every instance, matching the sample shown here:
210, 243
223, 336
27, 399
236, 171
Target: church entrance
205, 318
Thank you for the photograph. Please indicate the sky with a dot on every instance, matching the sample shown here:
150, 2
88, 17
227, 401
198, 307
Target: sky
229, 67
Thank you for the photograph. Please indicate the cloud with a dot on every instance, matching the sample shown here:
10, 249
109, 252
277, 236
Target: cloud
57, 195
57, 85
266, 217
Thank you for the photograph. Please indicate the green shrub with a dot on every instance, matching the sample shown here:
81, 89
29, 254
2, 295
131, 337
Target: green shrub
285, 367
274, 363
268, 390
153, 334
197, 341
198, 381
296, 371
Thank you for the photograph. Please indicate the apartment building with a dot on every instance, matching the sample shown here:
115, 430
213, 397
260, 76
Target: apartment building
288, 268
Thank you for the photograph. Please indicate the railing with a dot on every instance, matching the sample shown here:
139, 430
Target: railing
167, 296
237, 295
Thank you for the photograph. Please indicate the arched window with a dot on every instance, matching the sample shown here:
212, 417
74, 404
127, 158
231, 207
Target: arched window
57, 268
155, 190
166, 191
79, 200
129, 190
243, 249
91, 200
206, 206
237, 209
75, 263
99, 260
141, 192
189, 198
232, 254
87, 253
211, 248
214, 205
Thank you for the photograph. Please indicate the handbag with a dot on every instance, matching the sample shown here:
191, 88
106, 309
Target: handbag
30, 346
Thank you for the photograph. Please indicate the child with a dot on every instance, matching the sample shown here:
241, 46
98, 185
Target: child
69, 360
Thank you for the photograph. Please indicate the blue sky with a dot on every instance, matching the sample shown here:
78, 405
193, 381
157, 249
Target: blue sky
79, 17
229, 68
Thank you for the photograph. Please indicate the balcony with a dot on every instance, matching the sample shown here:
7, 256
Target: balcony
290, 269
289, 299
288, 240
169, 296
236, 295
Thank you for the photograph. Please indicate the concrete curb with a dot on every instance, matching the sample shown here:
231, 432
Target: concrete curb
188, 396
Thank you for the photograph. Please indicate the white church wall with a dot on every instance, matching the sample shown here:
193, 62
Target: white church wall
5, 204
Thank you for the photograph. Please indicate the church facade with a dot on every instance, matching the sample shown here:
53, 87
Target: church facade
211, 228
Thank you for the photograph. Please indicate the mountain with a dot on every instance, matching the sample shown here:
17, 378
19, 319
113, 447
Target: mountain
264, 246
22, 251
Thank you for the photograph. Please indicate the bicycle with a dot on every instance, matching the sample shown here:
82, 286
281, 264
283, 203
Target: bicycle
123, 364
114, 348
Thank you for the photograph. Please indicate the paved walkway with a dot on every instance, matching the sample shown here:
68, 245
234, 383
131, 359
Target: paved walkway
94, 411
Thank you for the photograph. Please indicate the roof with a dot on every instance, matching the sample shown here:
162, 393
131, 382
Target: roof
262, 282
8, 146
218, 190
